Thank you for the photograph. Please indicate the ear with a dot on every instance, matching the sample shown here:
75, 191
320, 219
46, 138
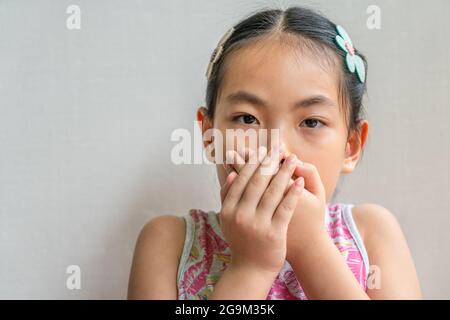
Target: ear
204, 122
354, 147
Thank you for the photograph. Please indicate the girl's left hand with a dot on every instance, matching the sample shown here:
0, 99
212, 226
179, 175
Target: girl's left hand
308, 218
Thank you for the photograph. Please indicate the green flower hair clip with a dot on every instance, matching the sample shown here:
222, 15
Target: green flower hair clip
353, 61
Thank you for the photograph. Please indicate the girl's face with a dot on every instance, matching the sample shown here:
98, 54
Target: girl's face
271, 86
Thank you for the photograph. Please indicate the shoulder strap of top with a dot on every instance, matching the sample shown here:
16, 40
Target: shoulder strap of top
188, 241
347, 214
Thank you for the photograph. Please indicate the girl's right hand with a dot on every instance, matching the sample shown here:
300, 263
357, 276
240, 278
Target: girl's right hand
256, 211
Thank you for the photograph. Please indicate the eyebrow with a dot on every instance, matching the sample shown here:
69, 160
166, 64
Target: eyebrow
247, 97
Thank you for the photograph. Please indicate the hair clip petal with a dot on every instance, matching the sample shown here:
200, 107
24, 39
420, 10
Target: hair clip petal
350, 60
353, 61
341, 43
360, 68
344, 34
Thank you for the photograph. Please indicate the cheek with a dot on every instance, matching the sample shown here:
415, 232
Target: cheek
329, 173
329, 167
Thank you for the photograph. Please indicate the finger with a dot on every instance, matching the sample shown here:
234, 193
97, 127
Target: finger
277, 188
243, 154
286, 208
226, 186
313, 182
259, 181
240, 182
229, 168
235, 163
271, 164
284, 154
239, 164
243, 157
262, 151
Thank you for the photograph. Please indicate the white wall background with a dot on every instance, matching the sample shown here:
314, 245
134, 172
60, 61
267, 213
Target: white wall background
86, 117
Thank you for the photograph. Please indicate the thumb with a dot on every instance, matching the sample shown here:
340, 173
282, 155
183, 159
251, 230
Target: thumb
313, 182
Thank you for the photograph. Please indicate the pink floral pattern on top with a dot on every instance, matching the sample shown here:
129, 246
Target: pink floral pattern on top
209, 255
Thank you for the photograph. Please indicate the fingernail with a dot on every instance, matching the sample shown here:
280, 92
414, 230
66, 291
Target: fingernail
290, 159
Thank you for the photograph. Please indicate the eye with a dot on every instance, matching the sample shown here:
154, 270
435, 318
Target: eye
313, 123
246, 119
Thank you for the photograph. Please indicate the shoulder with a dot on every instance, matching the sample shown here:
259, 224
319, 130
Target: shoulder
374, 220
166, 226
162, 233
395, 275
161, 238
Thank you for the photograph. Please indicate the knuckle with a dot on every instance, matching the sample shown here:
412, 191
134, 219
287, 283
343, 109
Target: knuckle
238, 184
273, 235
254, 181
239, 180
263, 204
244, 177
254, 227
225, 212
240, 218
287, 206
271, 191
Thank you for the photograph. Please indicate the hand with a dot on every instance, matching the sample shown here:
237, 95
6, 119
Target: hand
308, 218
256, 212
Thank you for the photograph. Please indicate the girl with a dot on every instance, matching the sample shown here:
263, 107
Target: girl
278, 235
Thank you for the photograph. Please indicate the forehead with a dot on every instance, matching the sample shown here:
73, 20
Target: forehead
280, 71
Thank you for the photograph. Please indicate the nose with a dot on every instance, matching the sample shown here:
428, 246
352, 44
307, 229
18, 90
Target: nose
277, 135
284, 151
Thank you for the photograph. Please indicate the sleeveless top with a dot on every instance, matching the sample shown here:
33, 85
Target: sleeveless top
206, 255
